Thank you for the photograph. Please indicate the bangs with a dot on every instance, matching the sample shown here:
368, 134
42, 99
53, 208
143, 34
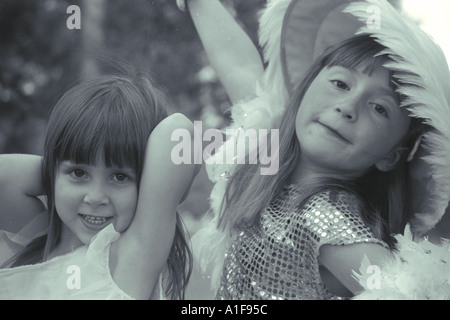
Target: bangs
361, 55
95, 139
106, 129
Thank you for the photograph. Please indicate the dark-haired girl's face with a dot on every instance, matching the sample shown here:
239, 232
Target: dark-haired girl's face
349, 121
89, 197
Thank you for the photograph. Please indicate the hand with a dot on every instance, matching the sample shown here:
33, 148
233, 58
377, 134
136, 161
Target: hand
181, 4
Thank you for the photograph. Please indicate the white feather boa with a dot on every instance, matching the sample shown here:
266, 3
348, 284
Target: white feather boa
417, 271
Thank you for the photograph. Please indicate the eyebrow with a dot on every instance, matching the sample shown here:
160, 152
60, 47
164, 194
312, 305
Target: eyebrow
384, 90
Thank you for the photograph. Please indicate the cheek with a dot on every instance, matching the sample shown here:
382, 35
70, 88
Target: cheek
380, 141
313, 103
307, 112
65, 195
126, 203
306, 106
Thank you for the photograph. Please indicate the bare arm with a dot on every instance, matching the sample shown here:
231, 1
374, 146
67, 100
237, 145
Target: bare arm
143, 249
20, 186
230, 50
340, 261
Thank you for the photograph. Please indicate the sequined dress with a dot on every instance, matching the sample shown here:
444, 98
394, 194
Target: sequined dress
279, 259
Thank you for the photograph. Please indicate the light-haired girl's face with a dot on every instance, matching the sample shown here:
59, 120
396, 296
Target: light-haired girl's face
349, 120
89, 197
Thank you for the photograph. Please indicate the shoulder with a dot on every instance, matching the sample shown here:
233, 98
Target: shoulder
336, 198
334, 216
343, 238
332, 206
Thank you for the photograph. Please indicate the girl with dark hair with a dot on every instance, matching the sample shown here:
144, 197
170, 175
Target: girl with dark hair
111, 191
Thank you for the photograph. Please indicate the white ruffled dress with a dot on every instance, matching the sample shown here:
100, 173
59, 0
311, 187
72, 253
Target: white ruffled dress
83, 274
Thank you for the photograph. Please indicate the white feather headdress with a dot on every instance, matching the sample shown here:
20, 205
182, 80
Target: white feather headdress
421, 67
413, 52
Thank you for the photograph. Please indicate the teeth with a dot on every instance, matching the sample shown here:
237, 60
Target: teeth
95, 220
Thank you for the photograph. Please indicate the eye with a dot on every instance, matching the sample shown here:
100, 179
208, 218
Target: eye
378, 108
77, 173
120, 177
340, 84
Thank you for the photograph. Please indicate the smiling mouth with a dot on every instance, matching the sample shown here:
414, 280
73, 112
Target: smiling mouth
95, 220
334, 132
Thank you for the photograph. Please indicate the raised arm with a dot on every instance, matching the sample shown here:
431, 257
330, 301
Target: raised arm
231, 52
143, 249
20, 186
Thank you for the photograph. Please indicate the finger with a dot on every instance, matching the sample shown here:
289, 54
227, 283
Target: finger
181, 4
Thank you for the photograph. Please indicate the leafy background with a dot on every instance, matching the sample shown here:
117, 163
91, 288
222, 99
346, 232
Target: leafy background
41, 57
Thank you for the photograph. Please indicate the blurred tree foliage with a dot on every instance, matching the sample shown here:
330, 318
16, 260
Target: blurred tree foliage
40, 57
35, 58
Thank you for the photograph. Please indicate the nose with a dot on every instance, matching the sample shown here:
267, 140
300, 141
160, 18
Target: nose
347, 110
95, 195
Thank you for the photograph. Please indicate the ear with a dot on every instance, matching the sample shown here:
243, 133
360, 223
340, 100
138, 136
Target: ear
390, 161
